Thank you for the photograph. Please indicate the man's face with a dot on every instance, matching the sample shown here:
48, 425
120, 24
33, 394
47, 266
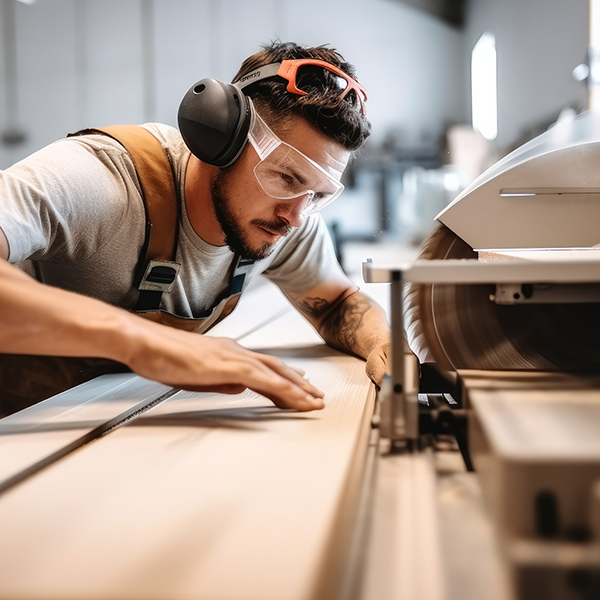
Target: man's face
253, 221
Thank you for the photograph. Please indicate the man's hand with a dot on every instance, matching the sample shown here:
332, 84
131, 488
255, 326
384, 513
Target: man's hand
378, 362
42, 320
201, 363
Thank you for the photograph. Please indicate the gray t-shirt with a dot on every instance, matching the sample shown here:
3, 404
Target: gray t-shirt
76, 208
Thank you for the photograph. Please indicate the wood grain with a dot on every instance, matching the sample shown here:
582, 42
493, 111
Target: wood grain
205, 496
32, 436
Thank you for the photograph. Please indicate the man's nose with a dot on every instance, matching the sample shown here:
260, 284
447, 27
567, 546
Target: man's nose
292, 211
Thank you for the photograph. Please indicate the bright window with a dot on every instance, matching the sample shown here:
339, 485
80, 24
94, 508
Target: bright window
484, 87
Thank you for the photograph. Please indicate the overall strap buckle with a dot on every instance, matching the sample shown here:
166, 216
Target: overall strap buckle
160, 276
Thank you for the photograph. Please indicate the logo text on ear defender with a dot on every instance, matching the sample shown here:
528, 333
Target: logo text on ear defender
250, 76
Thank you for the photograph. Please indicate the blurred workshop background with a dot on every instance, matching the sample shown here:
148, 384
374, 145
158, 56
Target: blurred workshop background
453, 84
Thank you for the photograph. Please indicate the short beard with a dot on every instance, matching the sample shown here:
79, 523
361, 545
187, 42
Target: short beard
235, 237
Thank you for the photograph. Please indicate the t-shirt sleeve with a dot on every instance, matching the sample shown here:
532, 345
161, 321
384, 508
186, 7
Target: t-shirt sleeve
305, 258
66, 201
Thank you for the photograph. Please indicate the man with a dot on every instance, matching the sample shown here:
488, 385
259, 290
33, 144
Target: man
76, 210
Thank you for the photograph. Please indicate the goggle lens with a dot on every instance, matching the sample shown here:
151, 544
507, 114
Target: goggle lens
307, 74
285, 173
321, 77
312, 77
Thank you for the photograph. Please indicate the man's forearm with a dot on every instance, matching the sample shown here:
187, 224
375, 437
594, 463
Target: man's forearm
352, 323
43, 320
357, 325
39, 319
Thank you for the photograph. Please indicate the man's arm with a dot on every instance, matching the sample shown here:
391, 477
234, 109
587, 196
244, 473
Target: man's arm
348, 320
44, 320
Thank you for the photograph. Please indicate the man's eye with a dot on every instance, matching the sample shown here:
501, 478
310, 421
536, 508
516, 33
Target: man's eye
286, 178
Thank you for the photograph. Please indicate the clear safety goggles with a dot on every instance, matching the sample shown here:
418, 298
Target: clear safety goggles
285, 173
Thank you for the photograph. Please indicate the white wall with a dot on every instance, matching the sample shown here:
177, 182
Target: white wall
538, 43
81, 62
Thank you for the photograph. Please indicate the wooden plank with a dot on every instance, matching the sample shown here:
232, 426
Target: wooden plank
41, 433
204, 496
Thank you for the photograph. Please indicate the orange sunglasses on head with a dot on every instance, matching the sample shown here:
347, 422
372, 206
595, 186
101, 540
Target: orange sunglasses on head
300, 75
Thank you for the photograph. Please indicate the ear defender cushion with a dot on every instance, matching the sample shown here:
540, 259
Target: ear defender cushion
214, 119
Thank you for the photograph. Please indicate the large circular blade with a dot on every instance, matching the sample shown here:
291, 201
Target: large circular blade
464, 329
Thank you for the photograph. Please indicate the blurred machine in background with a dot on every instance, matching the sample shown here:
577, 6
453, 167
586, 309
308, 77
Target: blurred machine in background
504, 306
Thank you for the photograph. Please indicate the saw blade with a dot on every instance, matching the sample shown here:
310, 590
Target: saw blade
464, 329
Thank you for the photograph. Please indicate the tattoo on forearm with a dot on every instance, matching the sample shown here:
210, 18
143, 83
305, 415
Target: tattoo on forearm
339, 321
341, 325
312, 307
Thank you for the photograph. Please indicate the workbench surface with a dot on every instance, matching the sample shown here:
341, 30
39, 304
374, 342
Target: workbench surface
201, 496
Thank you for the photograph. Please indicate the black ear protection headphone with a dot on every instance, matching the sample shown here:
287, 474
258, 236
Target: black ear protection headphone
214, 120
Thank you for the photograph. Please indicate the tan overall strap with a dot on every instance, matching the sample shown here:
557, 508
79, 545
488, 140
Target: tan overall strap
162, 216
158, 189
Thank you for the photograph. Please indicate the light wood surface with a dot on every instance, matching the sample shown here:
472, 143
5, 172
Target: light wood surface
431, 534
405, 559
205, 495
31, 437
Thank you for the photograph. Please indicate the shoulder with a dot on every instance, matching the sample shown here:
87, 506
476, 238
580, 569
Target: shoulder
68, 198
169, 137
99, 143
111, 154
173, 145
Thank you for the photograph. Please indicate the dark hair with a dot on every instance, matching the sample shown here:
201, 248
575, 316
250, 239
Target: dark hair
340, 119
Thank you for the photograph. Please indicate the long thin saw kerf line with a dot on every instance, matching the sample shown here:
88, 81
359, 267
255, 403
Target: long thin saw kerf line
87, 438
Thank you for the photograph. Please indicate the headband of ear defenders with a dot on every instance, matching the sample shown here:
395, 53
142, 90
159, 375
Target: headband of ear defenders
214, 119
